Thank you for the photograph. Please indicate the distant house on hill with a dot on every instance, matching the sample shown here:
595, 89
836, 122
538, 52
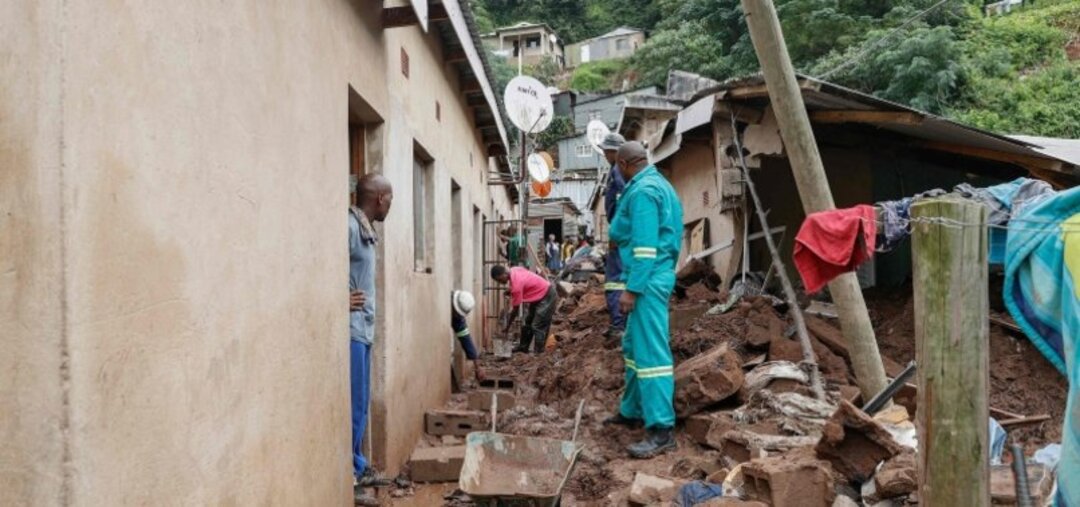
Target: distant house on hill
535, 42
621, 42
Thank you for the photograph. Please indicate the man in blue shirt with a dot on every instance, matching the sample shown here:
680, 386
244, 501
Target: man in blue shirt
613, 282
373, 204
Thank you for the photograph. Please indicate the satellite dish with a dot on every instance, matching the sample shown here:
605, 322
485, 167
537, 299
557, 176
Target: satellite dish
538, 168
528, 104
541, 189
595, 132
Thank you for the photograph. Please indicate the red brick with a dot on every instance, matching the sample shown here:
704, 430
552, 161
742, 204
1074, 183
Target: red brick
436, 464
706, 379
854, 443
795, 479
455, 422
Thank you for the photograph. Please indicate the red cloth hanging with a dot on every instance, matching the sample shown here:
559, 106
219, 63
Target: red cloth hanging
834, 242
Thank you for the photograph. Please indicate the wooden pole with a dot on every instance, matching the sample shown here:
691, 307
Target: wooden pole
952, 349
786, 100
809, 360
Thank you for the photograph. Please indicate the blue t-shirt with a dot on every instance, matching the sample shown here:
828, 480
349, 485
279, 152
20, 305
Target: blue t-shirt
362, 241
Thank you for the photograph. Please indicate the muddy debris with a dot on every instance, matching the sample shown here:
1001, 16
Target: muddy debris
796, 450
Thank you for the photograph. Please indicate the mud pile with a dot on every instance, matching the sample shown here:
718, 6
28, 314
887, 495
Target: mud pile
771, 424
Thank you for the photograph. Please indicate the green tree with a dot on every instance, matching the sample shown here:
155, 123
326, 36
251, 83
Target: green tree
561, 126
688, 47
601, 76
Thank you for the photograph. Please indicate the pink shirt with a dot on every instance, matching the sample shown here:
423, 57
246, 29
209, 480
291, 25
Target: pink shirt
526, 286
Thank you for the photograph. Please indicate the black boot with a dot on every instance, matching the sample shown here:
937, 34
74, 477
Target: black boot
658, 441
621, 420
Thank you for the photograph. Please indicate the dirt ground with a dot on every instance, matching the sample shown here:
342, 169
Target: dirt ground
550, 386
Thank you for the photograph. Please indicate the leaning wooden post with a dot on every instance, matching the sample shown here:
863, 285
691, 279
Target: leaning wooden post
949, 244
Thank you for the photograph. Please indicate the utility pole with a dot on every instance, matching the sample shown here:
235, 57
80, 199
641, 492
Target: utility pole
802, 152
952, 336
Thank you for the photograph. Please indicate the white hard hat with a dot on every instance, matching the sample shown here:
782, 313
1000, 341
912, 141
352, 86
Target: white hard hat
463, 302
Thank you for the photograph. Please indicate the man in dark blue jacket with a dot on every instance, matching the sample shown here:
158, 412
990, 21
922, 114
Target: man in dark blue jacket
613, 279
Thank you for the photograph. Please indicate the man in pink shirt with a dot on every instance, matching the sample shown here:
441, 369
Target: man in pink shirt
529, 288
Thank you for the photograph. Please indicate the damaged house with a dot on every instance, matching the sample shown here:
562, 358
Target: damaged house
873, 150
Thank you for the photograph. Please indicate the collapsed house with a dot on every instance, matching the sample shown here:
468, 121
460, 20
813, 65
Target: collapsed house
872, 149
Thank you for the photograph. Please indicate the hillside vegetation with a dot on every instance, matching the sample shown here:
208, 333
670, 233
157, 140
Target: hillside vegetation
1013, 73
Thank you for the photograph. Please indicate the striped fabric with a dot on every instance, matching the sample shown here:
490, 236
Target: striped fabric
644, 252
463, 333
614, 286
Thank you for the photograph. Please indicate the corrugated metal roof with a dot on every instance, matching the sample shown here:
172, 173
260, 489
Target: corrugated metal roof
822, 95
1062, 149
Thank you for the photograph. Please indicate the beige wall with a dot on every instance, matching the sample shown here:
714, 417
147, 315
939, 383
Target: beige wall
32, 410
172, 259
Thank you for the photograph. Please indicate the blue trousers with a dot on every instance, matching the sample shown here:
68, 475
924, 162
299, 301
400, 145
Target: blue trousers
650, 380
360, 381
613, 287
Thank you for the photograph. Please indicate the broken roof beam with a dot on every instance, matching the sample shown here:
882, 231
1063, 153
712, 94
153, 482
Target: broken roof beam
856, 116
394, 17
761, 91
748, 115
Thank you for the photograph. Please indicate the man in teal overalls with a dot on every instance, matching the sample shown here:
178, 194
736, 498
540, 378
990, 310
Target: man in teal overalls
648, 230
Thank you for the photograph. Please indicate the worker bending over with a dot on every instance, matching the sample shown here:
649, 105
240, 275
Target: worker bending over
529, 288
613, 281
647, 229
462, 304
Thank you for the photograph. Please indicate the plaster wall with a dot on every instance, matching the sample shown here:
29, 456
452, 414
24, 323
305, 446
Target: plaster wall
173, 247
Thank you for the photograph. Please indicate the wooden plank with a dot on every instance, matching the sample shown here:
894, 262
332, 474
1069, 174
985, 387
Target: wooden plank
840, 116
1028, 162
952, 349
1021, 421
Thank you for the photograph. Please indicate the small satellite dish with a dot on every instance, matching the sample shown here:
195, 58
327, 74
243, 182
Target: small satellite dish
528, 104
541, 189
595, 133
538, 168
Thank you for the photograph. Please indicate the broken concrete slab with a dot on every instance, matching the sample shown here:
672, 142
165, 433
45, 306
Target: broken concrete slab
652, 490
481, 399
702, 427
706, 379
855, 443
897, 476
795, 479
565, 289
436, 464
742, 445
454, 422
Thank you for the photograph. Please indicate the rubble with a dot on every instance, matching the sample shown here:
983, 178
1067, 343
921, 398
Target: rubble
796, 479
652, 490
897, 476
707, 379
436, 464
768, 419
454, 422
855, 444
481, 399
1003, 484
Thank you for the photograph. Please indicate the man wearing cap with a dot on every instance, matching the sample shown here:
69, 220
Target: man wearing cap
462, 303
648, 230
613, 282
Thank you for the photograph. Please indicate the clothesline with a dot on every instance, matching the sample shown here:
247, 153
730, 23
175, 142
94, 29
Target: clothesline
1065, 228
